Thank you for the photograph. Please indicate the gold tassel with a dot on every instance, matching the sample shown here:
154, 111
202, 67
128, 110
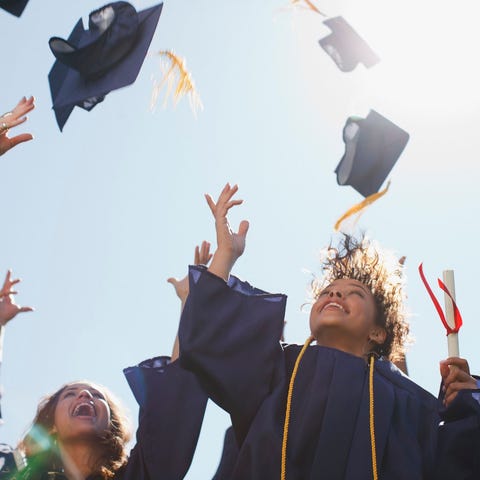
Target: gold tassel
308, 4
360, 206
175, 76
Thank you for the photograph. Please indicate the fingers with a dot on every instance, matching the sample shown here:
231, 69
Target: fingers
25, 309
181, 287
461, 363
210, 203
243, 228
23, 106
204, 254
452, 391
23, 137
456, 376
224, 202
7, 279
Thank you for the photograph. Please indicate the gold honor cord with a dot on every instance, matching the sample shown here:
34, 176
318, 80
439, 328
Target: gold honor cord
360, 206
283, 472
372, 417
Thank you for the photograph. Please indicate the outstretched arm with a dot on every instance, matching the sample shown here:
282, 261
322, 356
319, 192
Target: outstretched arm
12, 119
201, 257
8, 308
230, 244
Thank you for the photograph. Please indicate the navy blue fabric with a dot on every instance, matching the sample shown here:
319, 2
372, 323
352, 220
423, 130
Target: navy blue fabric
15, 7
231, 341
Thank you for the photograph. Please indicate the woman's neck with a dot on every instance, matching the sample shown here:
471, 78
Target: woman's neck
352, 346
79, 459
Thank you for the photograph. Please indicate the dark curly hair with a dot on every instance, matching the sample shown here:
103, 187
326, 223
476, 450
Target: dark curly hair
40, 447
362, 260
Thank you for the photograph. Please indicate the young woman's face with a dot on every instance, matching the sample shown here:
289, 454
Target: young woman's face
82, 411
344, 314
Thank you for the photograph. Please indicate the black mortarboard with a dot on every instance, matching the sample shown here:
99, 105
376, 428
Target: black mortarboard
15, 7
372, 146
346, 47
107, 56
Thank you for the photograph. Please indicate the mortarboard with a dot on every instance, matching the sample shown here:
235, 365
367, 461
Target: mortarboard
107, 56
15, 7
372, 147
346, 47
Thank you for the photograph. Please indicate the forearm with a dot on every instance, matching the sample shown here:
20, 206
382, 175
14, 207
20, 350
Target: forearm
222, 264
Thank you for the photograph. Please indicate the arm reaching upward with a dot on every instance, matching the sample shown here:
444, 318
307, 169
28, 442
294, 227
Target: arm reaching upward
230, 244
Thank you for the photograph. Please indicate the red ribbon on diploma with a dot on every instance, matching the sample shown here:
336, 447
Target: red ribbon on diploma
456, 311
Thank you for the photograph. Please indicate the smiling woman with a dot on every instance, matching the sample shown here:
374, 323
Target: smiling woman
79, 413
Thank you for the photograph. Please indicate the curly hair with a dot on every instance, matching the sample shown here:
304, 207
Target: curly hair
40, 446
362, 260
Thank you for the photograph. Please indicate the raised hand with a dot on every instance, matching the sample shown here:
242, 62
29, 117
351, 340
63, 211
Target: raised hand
202, 254
8, 308
12, 119
201, 257
230, 244
456, 376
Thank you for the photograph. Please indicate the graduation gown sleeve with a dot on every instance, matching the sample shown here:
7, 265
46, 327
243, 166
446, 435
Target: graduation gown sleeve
459, 439
172, 405
230, 337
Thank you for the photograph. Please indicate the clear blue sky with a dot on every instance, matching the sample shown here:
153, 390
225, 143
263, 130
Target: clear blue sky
96, 218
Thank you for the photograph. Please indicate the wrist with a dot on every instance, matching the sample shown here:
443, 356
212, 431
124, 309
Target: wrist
222, 263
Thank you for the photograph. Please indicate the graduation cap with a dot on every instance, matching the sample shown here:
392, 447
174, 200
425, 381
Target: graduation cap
15, 7
372, 147
346, 48
107, 56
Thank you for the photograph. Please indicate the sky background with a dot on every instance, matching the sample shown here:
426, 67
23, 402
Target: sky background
96, 218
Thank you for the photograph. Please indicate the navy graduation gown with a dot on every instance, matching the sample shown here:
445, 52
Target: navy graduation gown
172, 405
229, 336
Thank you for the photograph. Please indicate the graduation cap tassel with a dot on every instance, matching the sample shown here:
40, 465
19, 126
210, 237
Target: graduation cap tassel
452, 321
310, 5
360, 206
178, 82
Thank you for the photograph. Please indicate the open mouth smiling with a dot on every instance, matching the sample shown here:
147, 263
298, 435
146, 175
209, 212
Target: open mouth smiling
333, 305
84, 409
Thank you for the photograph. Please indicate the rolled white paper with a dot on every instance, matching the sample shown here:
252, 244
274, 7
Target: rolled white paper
452, 338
